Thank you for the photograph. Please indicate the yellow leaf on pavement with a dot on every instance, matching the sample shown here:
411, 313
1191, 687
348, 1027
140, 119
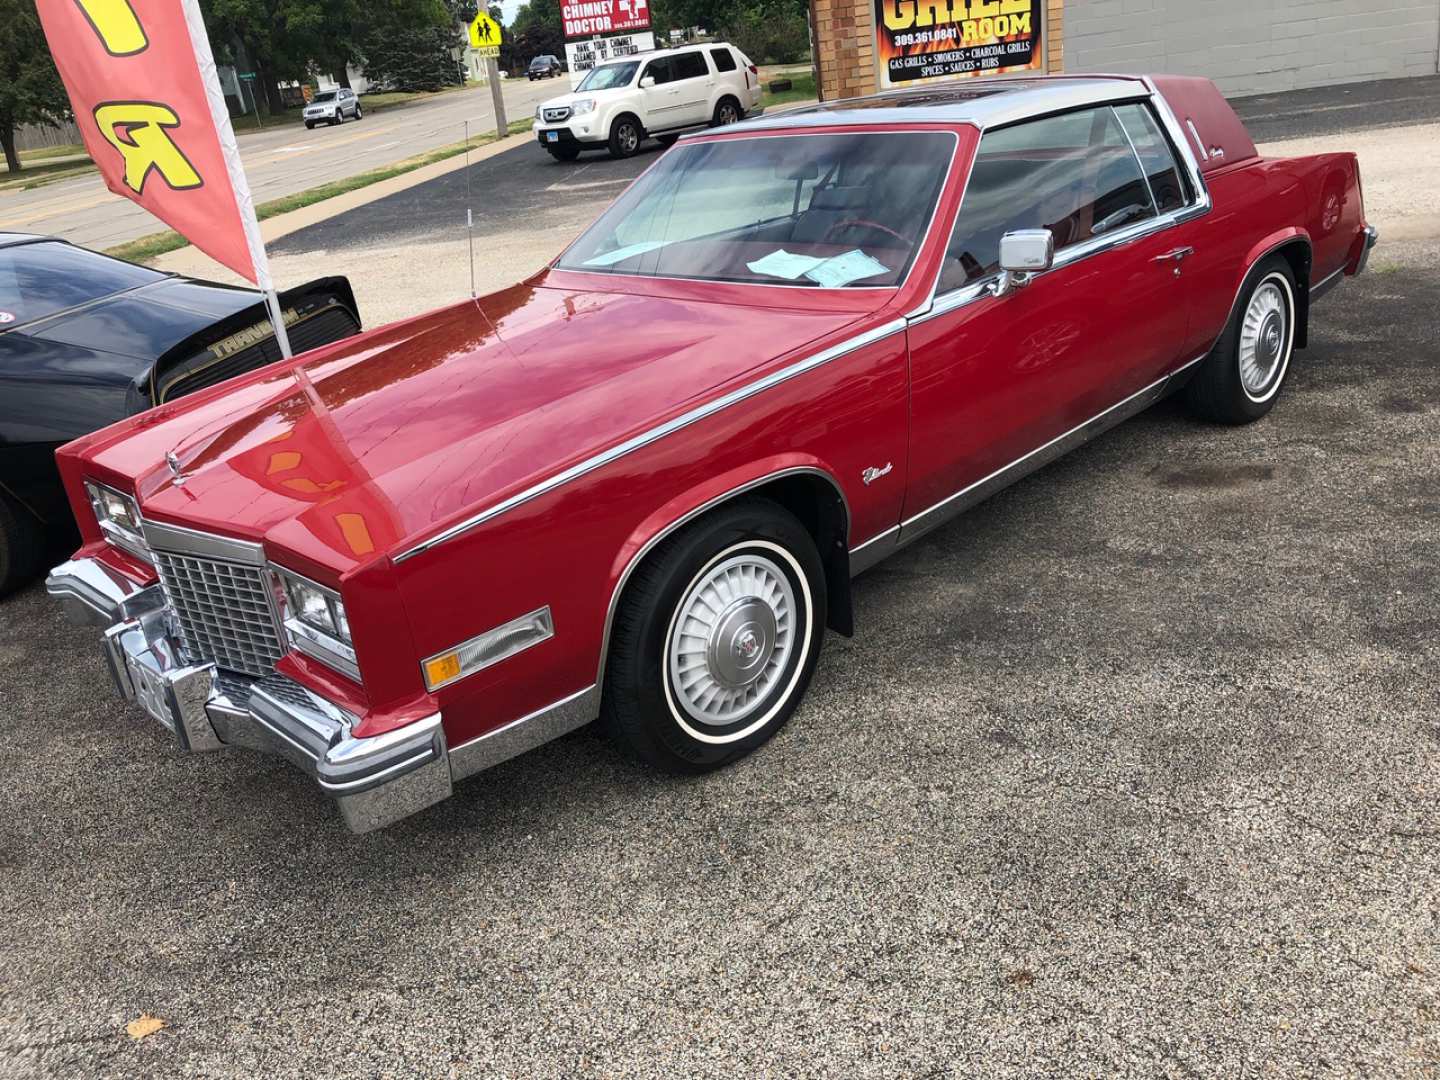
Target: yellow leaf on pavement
144, 1025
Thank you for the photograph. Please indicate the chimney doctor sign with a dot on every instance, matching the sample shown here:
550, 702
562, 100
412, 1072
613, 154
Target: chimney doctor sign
586, 21
590, 18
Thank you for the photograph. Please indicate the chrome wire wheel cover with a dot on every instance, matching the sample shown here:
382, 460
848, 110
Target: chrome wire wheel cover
732, 638
629, 137
1265, 335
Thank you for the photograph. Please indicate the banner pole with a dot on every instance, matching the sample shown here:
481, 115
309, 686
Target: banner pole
277, 320
239, 186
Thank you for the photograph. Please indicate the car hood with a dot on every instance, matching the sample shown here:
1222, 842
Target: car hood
137, 326
341, 456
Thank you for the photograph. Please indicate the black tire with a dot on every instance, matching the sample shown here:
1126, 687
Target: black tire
727, 111
359, 112
22, 546
645, 708
626, 135
666, 140
1228, 387
309, 125
563, 153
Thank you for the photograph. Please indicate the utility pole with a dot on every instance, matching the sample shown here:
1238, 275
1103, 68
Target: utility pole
497, 96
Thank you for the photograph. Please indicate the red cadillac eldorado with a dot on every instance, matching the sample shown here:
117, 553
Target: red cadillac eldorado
637, 486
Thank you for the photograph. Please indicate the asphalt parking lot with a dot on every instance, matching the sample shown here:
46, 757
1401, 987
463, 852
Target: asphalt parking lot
1133, 772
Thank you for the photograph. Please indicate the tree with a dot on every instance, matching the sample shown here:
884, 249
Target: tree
30, 87
410, 45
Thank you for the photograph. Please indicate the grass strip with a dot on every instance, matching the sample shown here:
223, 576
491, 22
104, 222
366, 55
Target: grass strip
802, 88
157, 244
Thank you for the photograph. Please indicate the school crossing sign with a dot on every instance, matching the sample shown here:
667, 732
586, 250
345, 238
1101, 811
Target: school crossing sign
485, 35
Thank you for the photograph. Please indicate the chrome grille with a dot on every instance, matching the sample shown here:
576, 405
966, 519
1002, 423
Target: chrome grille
554, 116
223, 610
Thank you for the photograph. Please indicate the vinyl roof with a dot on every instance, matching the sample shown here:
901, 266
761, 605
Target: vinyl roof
982, 102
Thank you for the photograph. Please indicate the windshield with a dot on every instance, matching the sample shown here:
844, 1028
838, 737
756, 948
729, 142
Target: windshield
827, 211
609, 76
325, 95
540, 61
42, 278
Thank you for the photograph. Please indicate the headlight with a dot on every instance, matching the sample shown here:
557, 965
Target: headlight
583, 106
119, 519
539, 112
316, 623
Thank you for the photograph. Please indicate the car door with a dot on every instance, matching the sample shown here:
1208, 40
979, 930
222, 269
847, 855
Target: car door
661, 98
995, 379
694, 84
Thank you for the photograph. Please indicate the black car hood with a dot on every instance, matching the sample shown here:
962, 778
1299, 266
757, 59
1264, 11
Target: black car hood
146, 323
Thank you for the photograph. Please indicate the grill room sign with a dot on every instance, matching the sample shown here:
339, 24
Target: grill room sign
589, 18
940, 39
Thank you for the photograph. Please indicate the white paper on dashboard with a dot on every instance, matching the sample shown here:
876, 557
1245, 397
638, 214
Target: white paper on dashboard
782, 263
840, 270
629, 251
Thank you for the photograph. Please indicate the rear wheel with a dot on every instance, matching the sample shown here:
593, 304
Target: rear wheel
22, 546
1240, 379
727, 111
625, 136
716, 639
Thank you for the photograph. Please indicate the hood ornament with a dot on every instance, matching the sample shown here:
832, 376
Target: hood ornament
177, 474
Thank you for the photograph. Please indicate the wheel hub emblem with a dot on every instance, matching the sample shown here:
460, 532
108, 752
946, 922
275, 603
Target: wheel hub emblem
746, 645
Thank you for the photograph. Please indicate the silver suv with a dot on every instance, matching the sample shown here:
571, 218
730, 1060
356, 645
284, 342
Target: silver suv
332, 107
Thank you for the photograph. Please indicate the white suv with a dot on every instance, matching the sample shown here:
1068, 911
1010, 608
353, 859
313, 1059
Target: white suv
660, 94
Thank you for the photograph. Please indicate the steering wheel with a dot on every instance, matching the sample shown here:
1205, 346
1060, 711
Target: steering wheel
862, 223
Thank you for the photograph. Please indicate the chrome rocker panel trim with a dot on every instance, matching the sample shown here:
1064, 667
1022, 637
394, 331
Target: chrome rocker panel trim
376, 780
878, 547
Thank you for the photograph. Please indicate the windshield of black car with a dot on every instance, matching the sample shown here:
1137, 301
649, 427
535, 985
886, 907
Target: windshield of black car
40, 279
609, 76
326, 95
824, 210
539, 62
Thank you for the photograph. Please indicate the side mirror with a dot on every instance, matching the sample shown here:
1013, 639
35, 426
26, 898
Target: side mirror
647, 82
1023, 253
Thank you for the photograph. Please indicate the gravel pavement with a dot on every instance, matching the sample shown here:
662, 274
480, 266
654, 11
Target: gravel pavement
1131, 772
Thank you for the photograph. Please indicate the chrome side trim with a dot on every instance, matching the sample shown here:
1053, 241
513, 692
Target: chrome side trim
1323, 286
649, 544
526, 733
872, 551
204, 545
912, 528
645, 438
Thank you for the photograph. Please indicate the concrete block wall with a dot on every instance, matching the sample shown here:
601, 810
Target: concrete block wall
1256, 46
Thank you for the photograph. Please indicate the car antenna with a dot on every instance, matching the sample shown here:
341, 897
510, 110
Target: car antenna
469, 213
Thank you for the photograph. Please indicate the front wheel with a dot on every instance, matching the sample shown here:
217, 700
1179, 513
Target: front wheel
1240, 379
625, 136
716, 639
359, 113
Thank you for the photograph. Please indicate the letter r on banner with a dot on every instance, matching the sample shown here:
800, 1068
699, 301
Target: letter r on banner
137, 130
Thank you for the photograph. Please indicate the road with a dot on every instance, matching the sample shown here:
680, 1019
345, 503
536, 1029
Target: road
279, 161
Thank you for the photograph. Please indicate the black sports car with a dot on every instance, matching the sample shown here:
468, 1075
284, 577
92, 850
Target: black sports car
86, 340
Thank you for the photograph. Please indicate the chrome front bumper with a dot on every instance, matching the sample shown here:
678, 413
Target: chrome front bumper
376, 780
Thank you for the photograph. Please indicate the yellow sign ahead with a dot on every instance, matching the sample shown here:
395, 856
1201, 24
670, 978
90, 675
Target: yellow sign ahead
485, 32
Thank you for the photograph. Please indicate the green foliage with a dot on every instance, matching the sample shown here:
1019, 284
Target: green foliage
536, 31
412, 57
30, 87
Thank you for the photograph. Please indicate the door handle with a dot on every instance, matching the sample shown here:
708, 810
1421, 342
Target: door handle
1174, 255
